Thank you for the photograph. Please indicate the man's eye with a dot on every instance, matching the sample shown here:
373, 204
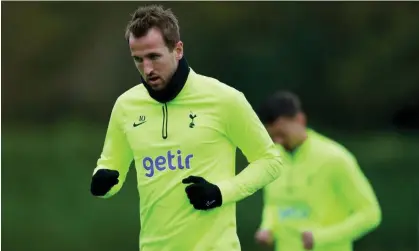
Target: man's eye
137, 59
154, 57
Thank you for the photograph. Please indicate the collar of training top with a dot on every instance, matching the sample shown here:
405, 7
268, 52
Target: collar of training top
175, 85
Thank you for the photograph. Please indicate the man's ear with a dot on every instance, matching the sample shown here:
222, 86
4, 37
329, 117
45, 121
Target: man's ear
301, 118
179, 50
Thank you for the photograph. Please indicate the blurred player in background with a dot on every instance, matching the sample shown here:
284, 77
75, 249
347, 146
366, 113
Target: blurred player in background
323, 201
182, 130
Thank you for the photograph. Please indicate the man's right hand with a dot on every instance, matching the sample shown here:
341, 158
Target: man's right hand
264, 237
102, 181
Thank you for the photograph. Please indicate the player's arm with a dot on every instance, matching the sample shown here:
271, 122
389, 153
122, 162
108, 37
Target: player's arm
115, 159
356, 192
246, 131
268, 212
264, 234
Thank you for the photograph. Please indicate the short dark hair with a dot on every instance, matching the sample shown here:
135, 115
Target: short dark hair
154, 16
280, 104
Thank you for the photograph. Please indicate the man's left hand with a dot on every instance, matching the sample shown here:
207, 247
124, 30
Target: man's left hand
202, 194
308, 240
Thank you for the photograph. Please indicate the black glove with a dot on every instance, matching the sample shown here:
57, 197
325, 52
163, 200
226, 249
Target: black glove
103, 181
202, 194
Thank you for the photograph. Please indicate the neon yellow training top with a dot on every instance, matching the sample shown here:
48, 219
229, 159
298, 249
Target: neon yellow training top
322, 190
194, 134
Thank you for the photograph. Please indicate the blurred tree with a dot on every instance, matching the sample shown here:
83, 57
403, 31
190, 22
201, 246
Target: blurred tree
354, 63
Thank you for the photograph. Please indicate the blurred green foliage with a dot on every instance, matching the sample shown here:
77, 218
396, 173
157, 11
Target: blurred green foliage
46, 203
353, 63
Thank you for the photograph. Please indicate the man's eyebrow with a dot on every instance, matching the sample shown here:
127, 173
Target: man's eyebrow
152, 54
148, 54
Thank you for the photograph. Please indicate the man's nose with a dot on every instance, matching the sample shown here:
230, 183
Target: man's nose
148, 67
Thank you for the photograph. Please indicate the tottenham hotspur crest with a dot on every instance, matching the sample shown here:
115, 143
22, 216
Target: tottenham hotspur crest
192, 117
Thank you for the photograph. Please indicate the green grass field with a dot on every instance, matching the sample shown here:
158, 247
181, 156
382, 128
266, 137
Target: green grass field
46, 203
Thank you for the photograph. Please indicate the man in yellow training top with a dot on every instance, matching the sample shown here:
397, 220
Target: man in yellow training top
322, 201
182, 130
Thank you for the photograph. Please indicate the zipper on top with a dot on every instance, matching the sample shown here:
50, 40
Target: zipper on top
165, 120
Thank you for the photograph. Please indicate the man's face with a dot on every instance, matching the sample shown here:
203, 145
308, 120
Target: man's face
153, 58
287, 131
